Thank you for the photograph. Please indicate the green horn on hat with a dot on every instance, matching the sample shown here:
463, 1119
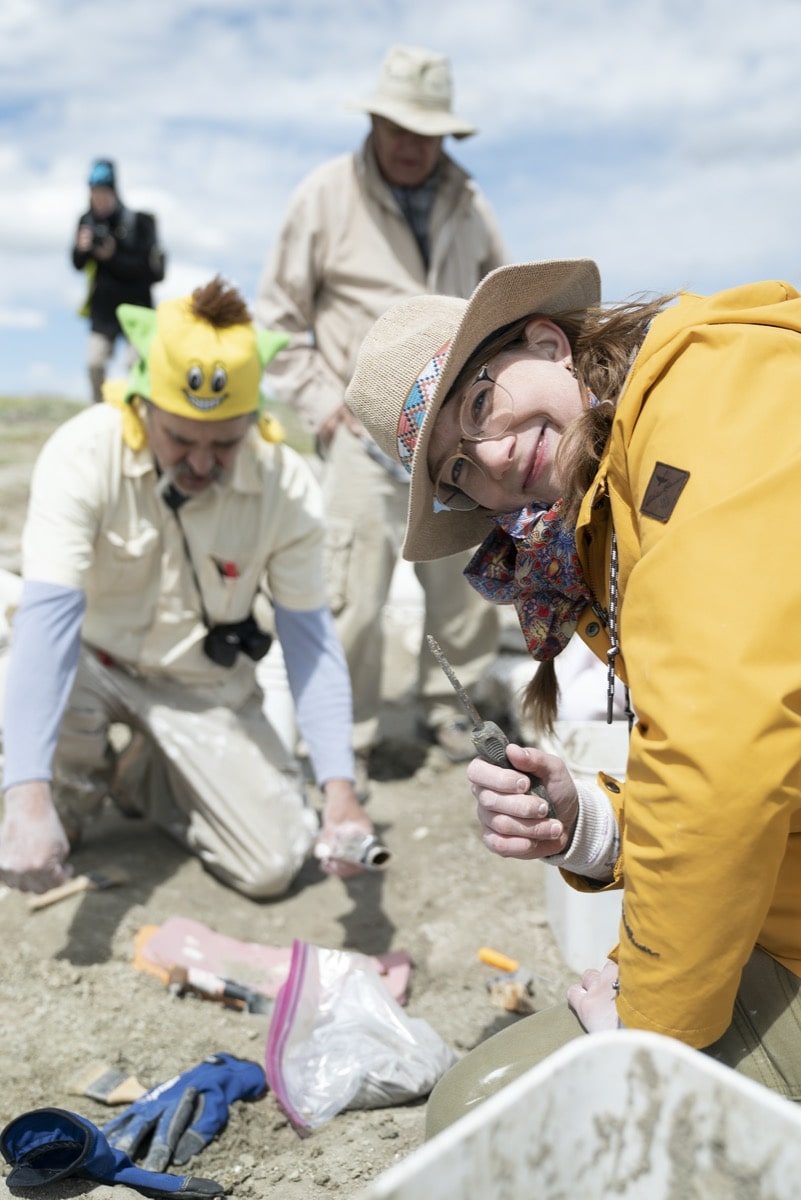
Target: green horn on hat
269, 342
139, 326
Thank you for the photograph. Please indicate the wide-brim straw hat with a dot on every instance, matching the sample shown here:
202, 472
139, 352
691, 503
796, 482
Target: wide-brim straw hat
411, 359
415, 91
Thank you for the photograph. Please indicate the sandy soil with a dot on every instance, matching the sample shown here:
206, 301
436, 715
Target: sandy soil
70, 995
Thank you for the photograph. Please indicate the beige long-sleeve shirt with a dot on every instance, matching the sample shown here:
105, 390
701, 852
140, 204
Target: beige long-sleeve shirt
97, 523
345, 253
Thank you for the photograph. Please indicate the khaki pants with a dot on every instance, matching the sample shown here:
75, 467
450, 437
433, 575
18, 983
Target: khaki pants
366, 519
763, 1043
219, 781
99, 354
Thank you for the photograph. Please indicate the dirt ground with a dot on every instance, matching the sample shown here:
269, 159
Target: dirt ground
69, 994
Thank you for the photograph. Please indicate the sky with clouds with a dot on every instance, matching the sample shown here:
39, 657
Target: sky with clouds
660, 137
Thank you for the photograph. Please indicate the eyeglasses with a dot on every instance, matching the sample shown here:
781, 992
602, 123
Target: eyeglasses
485, 412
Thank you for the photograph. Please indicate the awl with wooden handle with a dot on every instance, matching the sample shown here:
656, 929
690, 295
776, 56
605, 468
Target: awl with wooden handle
206, 983
488, 738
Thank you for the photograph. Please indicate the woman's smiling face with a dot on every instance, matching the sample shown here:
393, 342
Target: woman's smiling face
516, 467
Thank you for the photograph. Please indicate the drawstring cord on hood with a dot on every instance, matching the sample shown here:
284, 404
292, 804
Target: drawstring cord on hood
614, 648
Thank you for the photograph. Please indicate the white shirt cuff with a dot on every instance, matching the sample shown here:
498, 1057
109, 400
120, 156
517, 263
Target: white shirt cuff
595, 847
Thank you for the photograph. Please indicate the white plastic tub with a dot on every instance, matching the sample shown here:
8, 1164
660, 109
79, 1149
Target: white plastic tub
629, 1116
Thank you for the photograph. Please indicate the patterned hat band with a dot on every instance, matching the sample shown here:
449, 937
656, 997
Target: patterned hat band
415, 406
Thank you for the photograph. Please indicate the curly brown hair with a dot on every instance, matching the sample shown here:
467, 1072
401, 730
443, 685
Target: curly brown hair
220, 304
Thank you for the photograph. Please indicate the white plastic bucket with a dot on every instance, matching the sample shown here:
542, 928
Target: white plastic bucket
629, 1115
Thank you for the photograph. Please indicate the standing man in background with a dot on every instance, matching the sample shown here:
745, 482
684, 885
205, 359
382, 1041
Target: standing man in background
397, 218
120, 252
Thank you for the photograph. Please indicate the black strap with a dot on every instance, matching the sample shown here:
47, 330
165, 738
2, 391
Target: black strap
174, 501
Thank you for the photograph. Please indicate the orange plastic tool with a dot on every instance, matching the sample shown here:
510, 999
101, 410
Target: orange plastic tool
494, 958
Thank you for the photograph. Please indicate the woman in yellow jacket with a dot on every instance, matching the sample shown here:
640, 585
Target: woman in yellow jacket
633, 474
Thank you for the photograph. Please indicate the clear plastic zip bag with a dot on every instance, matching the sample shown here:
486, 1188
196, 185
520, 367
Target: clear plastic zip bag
338, 1040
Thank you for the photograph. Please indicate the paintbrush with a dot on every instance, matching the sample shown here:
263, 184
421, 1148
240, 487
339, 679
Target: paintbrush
106, 1084
91, 881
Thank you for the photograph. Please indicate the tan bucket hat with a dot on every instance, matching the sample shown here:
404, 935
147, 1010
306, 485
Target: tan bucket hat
414, 90
411, 358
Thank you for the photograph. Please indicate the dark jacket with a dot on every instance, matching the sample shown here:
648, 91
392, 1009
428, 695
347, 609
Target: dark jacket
126, 277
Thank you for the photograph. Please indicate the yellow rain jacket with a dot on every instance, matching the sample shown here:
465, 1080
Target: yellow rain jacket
701, 482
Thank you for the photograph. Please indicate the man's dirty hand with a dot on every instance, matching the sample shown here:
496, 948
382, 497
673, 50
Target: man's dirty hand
33, 845
342, 815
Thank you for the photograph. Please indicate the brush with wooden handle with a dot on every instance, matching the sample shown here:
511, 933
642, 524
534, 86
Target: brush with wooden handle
92, 881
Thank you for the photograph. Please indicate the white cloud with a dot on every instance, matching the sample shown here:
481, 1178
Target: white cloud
21, 318
660, 138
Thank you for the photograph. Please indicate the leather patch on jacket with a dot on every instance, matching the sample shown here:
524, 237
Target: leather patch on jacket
662, 494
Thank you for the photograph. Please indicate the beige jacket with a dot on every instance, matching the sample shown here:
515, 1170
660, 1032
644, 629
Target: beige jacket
345, 253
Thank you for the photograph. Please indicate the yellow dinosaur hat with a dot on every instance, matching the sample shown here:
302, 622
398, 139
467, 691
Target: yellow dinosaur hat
193, 367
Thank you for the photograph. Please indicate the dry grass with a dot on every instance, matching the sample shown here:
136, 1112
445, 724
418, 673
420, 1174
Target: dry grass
26, 422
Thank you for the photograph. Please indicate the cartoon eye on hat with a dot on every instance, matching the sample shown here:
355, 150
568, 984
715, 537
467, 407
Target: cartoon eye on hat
215, 394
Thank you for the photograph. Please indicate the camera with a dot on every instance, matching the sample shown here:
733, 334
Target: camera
101, 230
222, 643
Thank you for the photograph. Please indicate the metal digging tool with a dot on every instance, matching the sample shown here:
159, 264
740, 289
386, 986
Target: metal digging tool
488, 738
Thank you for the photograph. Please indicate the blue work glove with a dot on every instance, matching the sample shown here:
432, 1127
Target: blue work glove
48, 1144
182, 1115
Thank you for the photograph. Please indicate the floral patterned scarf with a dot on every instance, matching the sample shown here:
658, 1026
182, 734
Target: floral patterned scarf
530, 560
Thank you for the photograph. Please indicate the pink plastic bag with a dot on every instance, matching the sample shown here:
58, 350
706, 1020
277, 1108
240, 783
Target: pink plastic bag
338, 1040
182, 942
